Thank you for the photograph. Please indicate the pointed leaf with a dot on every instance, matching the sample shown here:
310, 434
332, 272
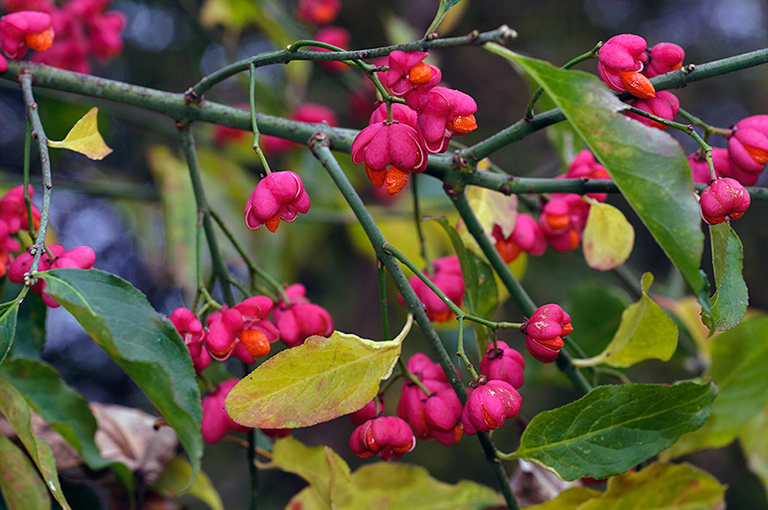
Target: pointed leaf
647, 164
145, 344
62, 407
569, 499
30, 327
320, 466
739, 358
729, 304
400, 485
20, 485
595, 308
613, 428
322, 379
16, 411
657, 487
645, 332
8, 314
608, 237
84, 137
173, 481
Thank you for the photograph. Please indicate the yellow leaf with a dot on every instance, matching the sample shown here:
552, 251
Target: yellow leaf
84, 137
608, 237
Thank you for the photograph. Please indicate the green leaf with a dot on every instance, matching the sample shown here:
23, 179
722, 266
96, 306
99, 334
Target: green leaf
595, 308
63, 408
322, 379
645, 332
378, 485
570, 499
729, 304
647, 164
320, 466
8, 314
608, 238
84, 137
30, 327
657, 487
145, 344
739, 358
20, 485
16, 411
173, 481
613, 428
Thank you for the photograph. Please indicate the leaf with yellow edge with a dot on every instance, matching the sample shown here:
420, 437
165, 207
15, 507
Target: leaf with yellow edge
84, 137
608, 237
174, 480
491, 208
378, 485
657, 487
320, 466
320, 380
645, 332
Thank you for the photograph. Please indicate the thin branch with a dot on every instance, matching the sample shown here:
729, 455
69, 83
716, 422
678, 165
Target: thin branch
26, 79
222, 273
320, 148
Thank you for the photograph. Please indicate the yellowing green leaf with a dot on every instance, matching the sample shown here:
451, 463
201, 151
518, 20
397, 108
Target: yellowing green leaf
20, 485
493, 208
657, 487
84, 137
608, 237
322, 379
174, 481
320, 466
379, 485
569, 499
17, 412
645, 332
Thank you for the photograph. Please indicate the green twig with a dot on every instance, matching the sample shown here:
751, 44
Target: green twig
383, 300
319, 144
501, 35
536, 95
460, 314
26, 79
219, 268
27, 199
254, 125
514, 287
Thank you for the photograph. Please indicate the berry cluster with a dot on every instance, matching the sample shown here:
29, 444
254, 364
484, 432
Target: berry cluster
625, 65
14, 219
561, 219
399, 137
82, 28
245, 330
278, 196
429, 408
22, 30
217, 423
446, 275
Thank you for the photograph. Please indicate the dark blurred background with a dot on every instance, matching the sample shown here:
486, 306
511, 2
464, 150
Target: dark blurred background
114, 206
